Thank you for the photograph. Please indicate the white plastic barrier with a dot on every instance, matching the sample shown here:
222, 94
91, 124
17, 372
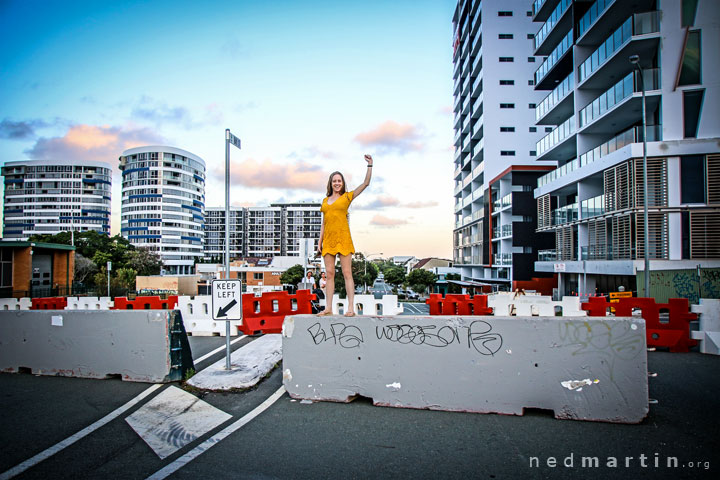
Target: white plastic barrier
369, 305
89, 303
15, 303
571, 307
197, 317
709, 329
508, 303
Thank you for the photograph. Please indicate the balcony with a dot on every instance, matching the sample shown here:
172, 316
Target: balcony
547, 255
503, 203
557, 65
477, 87
476, 23
558, 104
558, 144
621, 105
549, 35
638, 35
477, 106
592, 207
541, 9
477, 65
566, 214
502, 232
603, 16
502, 259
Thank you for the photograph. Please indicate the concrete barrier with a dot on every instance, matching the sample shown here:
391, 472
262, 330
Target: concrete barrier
198, 318
137, 345
15, 303
369, 305
583, 369
89, 303
709, 325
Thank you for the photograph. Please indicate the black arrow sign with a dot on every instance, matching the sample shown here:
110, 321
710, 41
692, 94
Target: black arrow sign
222, 312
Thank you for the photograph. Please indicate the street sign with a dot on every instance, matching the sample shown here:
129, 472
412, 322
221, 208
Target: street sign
226, 300
234, 140
559, 267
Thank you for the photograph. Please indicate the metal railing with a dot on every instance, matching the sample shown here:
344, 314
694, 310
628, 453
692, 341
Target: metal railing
566, 214
592, 207
554, 56
547, 255
560, 92
593, 13
560, 133
551, 22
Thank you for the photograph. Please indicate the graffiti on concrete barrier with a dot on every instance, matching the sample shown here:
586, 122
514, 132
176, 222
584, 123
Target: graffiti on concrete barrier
346, 336
479, 336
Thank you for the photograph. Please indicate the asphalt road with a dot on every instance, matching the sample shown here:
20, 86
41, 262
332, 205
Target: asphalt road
293, 440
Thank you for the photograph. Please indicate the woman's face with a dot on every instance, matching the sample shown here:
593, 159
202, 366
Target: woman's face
322, 274
337, 183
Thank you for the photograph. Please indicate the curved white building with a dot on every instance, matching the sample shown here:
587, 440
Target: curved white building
163, 202
53, 196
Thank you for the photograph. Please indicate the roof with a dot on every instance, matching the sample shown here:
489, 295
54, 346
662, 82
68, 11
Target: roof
24, 244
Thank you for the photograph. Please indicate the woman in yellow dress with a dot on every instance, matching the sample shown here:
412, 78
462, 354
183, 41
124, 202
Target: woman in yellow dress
335, 236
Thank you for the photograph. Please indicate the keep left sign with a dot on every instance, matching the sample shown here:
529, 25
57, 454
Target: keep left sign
226, 299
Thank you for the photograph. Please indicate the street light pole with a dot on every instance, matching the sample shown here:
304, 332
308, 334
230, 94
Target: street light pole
635, 60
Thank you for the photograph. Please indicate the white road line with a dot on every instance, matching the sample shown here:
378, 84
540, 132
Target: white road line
208, 355
18, 469
217, 438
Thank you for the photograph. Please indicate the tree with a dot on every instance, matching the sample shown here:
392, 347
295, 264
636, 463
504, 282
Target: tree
84, 268
395, 275
420, 279
125, 278
358, 273
453, 287
144, 261
293, 275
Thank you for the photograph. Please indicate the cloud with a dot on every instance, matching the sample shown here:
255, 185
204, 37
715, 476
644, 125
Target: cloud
446, 110
420, 204
382, 221
385, 201
160, 113
21, 130
268, 174
92, 142
392, 137
313, 151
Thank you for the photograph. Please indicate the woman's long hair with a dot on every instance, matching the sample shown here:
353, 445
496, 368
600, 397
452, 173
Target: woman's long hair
329, 185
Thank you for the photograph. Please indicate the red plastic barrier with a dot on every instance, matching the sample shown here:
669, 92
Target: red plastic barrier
52, 303
454, 304
266, 314
146, 303
675, 334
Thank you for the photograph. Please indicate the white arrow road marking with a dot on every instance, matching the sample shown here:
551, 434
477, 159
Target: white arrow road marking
18, 469
217, 438
173, 419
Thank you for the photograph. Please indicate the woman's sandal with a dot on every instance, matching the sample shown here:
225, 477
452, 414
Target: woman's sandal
325, 313
350, 314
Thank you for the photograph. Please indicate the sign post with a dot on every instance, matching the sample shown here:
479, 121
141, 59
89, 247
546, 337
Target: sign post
226, 305
229, 138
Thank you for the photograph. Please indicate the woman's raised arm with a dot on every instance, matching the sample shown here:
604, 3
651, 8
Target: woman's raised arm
368, 176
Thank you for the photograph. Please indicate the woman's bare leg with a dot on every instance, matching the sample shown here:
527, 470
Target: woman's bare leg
330, 282
346, 265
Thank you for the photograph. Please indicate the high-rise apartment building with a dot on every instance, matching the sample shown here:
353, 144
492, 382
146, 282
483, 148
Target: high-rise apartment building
53, 196
496, 166
599, 58
277, 230
163, 200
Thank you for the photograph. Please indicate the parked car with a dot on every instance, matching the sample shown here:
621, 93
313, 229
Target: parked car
411, 295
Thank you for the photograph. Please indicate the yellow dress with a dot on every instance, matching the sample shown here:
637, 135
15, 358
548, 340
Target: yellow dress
337, 239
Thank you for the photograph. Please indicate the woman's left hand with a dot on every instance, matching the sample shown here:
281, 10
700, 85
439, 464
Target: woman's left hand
369, 159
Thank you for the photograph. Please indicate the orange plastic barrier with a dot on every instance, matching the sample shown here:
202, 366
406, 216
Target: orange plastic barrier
454, 304
266, 314
51, 303
146, 303
675, 334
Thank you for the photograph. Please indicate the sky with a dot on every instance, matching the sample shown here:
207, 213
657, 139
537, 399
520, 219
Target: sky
308, 86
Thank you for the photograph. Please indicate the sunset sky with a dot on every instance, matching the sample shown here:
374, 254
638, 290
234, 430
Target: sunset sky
308, 86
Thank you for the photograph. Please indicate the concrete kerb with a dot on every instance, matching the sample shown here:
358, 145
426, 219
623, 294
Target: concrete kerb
580, 368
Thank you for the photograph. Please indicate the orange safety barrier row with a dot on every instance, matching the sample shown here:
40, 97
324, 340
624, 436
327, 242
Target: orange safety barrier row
146, 303
52, 303
673, 334
266, 314
454, 304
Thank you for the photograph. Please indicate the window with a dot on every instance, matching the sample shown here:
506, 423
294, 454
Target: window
507, 129
692, 105
504, 14
689, 9
528, 13
531, 105
507, 153
507, 82
531, 82
507, 105
533, 153
531, 59
507, 59
257, 276
692, 179
505, 36
530, 36
691, 60
548, 129
533, 129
